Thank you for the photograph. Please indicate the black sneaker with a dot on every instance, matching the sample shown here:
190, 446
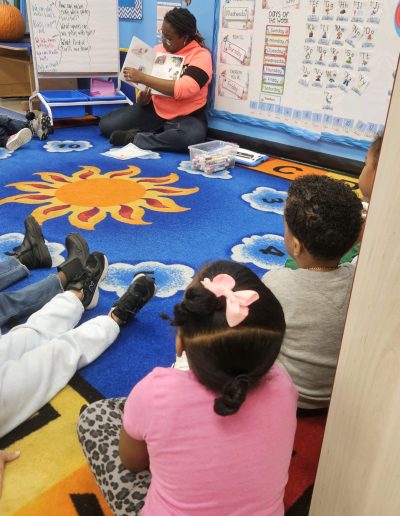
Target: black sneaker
33, 252
78, 252
93, 272
121, 138
140, 291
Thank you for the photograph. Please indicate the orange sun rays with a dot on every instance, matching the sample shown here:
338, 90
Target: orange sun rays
88, 196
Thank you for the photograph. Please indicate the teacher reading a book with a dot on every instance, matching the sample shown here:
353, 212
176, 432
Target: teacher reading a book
176, 117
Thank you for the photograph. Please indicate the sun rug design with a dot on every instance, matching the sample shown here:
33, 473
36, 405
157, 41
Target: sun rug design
88, 196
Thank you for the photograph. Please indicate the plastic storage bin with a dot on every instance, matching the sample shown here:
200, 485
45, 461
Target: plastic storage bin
101, 109
213, 156
70, 96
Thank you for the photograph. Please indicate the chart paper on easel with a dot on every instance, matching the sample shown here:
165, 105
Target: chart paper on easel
78, 38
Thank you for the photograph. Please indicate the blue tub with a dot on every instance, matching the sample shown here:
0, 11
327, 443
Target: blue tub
102, 109
70, 96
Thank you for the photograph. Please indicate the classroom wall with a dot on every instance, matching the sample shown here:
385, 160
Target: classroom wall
205, 14
205, 11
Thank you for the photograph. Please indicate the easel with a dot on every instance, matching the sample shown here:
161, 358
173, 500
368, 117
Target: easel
49, 32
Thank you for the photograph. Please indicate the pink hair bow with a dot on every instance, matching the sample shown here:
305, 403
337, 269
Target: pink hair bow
236, 302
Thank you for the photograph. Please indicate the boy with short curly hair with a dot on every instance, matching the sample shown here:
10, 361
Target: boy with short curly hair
323, 219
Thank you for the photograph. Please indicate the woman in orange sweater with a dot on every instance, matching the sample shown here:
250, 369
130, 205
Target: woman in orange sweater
177, 118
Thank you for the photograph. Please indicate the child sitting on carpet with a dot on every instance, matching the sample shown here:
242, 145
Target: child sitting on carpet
38, 358
33, 253
218, 438
14, 133
323, 219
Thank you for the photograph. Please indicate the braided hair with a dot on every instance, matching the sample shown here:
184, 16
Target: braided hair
229, 360
185, 24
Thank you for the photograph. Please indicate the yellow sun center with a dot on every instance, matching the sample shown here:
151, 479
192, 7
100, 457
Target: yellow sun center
100, 192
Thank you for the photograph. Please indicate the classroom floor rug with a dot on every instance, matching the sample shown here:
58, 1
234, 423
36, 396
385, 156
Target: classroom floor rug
156, 215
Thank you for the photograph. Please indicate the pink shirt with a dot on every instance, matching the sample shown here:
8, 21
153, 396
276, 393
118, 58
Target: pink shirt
203, 464
188, 96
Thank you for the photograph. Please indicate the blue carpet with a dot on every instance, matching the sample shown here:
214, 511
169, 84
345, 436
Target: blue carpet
235, 214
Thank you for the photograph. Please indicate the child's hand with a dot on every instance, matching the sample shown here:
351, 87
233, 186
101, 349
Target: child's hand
4, 458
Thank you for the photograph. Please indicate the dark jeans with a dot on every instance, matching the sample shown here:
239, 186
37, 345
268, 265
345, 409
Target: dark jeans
176, 134
18, 304
8, 127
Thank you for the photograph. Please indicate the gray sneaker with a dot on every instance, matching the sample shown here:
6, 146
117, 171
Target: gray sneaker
19, 139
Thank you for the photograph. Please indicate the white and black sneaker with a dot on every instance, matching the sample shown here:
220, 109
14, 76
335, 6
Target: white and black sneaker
19, 139
93, 272
139, 292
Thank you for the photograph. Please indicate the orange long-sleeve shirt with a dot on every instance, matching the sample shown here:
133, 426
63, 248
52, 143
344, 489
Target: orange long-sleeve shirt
191, 89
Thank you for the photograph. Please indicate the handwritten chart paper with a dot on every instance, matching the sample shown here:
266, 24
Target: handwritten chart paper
75, 36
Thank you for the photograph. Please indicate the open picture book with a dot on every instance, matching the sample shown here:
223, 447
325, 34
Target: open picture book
160, 64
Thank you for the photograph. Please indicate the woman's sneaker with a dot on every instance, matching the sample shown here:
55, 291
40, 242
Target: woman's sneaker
93, 272
19, 139
121, 138
139, 292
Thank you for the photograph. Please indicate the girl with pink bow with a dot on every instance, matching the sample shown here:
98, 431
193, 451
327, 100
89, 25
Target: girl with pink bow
218, 437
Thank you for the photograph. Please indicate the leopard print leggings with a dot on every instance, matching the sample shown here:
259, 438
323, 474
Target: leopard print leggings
98, 432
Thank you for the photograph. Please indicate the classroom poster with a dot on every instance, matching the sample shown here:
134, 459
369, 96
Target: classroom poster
316, 68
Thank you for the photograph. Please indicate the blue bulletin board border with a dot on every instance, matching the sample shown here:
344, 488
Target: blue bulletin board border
130, 9
296, 114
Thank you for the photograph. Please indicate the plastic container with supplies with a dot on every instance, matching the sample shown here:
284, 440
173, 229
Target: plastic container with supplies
65, 96
213, 156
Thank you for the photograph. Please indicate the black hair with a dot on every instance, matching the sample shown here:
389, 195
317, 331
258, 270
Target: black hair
184, 24
324, 214
229, 360
376, 147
